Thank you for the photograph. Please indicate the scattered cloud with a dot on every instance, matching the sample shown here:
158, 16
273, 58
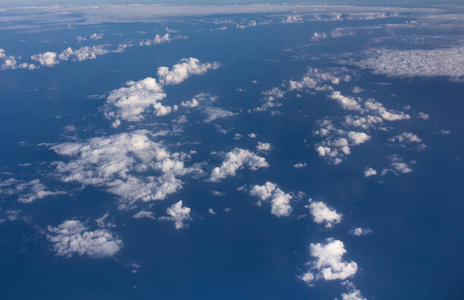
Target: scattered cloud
235, 160
299, 165
328, 263
360, 231
157, 40
178, 214
47, 59
263, 147
184, 69
280, 201
368, 172
322, 214
73, 237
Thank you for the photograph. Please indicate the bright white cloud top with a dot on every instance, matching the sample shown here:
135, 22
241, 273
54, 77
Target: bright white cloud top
178, 214
73, 237
235, 160
322, 214
328, 263
183, 70
280, 201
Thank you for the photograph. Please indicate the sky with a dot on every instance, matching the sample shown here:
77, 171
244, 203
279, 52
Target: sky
270, 151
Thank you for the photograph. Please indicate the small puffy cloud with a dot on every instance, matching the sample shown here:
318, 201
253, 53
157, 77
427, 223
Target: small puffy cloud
212, 212
47, 59
360, 231
184, 69
83, 53
318, 36
357, 90
128, 103
401, 167
443, 132
341, 32
423, 116
252, 135
292, 19
95, 36
73, 237
157, 40
387, 115
178, 214
358, 138
323, 214
280, 201
264, 147
328, 263
299, 165
252, 23
368, 172
352, 293
347, 103
235, 160
406, 137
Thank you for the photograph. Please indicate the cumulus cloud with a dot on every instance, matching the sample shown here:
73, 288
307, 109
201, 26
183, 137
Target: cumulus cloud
157, 40
322, 214
318, 36
446, 62
368, 172
10, 62
128, 103
73, 237
184, 69
144, 214
264, 147
406, 137
119, 163
83, 53
299, 165
47, 59
95, 36
423, 116
235, 160
360, 231
178, 214
346, 103
280, 201
352, 293
292, 19
328, 263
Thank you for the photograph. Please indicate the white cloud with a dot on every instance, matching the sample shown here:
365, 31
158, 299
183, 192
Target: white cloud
352, 293
447, 62
184, 69
252, 23
235, 160
357, 90
95, 36
214, 113
280, 201
360, 231
423, 116
264, 147
347, 103
323, 214
178, 214
144, 214
401, 167
341, 32
387, 115
73, 237
328, 263
358, 138
292, 19
83, 53
368, 172
299, 165
157, 40
28, 191
252, 135
406, 137
128, 103
212, 212
47, 59
318, 36
119, 163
